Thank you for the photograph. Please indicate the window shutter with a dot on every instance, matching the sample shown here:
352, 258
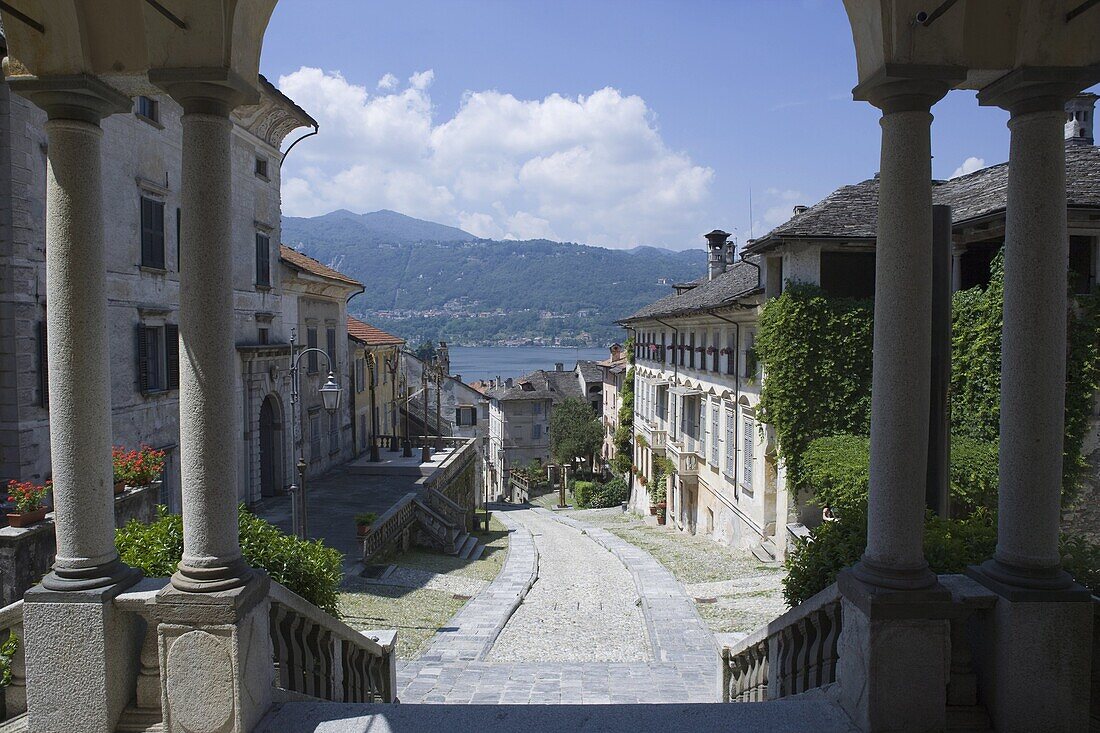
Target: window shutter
172, 354
43, 366
458, 416
142, 360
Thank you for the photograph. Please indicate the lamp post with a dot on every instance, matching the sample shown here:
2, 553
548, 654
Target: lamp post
392, 363
425, 451
406, 444
330, 398
437, 377
371, 370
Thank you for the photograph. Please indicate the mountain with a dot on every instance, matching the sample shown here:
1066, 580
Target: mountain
429, 281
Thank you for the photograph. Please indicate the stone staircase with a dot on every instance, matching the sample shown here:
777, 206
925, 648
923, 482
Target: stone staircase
765, 551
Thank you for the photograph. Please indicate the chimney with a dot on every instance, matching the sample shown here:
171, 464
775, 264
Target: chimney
508, 382
559, 366
800, 209
716, 243
1080, 117
615, 351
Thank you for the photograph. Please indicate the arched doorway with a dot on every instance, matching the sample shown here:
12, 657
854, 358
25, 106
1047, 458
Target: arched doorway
271, 447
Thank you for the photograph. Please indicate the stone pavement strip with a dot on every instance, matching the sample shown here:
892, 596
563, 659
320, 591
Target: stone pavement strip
458, 667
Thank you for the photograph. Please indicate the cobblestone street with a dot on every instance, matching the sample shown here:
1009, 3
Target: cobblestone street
577, 615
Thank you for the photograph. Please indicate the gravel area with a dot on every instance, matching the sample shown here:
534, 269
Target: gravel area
733, 591
583, 607
424, 591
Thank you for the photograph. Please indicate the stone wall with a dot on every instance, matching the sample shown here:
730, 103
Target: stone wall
26, 554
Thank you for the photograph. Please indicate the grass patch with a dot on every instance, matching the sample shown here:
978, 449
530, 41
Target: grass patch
417, 613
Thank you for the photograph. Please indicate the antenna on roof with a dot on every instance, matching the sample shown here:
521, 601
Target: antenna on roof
750, 211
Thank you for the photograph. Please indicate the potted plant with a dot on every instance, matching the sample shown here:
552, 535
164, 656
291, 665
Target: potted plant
28, 499
136, 468
363, 522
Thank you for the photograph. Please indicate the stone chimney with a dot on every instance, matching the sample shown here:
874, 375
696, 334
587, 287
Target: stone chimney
443, 357
615, 351
1080, 116
508, 382
800, 209
559, 366
716, 243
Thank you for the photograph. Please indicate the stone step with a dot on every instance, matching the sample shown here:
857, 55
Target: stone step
764, 552
469, 544
476, 554
781, 716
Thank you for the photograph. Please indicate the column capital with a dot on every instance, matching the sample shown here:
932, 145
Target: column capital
909, 87
1037, 88
210, 91
81, 97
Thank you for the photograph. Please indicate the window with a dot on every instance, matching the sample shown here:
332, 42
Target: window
466, 416
152, 233
261, 167
43, 366
714, 434
731, 351
1081, 273
748, 458
264, 335
360, 375
536, 408
148, 108
731, 442
749, 356
330, 343
263, 261
333, 434
314, 436
716, 349
311, 343
157, 358
536, 431
691, 351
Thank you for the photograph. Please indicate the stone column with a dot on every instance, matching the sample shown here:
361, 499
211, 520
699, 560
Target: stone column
1035, 666
209, 418
895, 633
213, 639
72, 632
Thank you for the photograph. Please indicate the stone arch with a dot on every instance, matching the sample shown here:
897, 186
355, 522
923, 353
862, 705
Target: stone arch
271, 443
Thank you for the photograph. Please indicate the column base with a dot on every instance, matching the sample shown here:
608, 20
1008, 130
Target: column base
115, 573
885, 578
193, 579
893, 640
215, 655
1035, 657
82, 656
1028, 584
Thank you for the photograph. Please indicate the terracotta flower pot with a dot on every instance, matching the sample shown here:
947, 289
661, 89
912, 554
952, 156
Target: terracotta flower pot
652, 510
661, 518
26, 519
662, 506
361, 530
120, 486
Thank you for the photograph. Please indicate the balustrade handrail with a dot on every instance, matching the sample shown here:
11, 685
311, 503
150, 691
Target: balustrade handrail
13, 696
793, 653
378, 643
389, 526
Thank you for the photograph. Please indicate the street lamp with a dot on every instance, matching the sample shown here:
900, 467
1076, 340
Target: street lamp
425, 451
391, 367
330, 398
406, 443
373, 410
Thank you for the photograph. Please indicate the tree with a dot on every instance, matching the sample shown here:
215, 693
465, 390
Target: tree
425, 352
574, 431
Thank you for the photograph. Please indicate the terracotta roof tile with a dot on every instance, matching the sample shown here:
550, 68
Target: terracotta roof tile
304, 262
367, 334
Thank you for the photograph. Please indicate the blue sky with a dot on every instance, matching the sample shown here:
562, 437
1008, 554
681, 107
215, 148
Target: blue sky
665, 115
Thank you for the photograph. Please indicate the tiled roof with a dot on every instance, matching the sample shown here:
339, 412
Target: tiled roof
555, 386
851, 212
371, 336
738, 281
590, 370
305, 263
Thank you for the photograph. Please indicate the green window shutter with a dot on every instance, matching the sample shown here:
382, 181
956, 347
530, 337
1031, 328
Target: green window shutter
172, 352
142, 359
43, 366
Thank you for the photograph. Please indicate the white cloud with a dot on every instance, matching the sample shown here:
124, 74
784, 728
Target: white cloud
969, 165
591, 168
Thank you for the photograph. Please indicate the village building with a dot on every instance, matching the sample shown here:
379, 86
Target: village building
377, 393
142, 159
614, 369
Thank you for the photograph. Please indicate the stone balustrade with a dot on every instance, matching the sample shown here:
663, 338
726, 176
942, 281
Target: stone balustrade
321, 657
13, 696
794, 653
390, 528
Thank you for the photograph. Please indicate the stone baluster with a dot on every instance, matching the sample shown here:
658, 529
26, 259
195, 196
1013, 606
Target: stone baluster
1037, 595
15, 694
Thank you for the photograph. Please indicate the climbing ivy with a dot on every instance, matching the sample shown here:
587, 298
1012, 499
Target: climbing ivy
816, 353
623, 437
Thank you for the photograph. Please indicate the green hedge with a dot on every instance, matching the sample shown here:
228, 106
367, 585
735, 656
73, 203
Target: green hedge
310, 569
593, 495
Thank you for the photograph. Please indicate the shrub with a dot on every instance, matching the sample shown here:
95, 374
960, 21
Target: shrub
365, 519
812, 564
606, 495
310, 569
582, 492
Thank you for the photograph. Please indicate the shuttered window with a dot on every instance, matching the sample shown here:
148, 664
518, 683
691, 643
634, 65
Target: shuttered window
43, 366
731, 351
714, 434
315, 436
158, 367
172, 354
263, 261
717, 349
152, 233
747, 458
311, 357
731, 441
330, 343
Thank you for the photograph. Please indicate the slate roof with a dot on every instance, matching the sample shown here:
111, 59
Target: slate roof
555, 386
851, 212
590, 370
367, 334
299, 261
738, 281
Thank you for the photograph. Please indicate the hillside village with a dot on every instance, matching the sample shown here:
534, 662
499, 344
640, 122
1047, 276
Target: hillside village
842, 476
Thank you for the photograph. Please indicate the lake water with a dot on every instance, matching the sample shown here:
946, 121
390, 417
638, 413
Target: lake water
486, 362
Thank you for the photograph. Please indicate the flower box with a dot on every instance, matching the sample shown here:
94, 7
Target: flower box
710, 349
26, 519
136, 468
120, 486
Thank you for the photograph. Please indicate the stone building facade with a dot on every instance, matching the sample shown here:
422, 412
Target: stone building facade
141, 170
614, 369
384, 375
